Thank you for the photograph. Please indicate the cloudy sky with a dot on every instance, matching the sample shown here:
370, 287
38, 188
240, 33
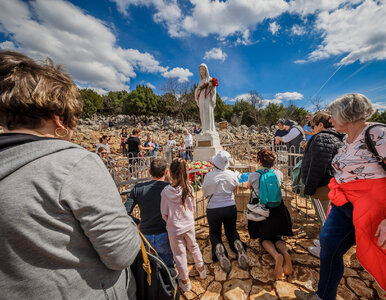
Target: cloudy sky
287, 50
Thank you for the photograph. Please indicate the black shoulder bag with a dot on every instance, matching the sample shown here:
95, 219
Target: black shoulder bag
154, 280
370, 145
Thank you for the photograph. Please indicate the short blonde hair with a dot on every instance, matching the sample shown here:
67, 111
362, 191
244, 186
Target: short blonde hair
32, 92
350, 108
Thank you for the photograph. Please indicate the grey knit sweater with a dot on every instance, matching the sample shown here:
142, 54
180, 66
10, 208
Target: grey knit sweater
65, 233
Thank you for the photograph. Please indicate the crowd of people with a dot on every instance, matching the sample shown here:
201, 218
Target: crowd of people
67, 234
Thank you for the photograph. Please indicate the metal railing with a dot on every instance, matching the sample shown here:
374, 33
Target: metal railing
132, 170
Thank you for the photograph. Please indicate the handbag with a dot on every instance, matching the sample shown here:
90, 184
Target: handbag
154, 280
370, 145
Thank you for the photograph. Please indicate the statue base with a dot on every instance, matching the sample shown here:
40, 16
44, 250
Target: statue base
207, 145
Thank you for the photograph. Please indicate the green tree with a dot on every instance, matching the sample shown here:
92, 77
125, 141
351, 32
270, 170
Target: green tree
244, 110
296, 113
141, 101
274, 112
92, 102
222, 111
113, 102
379, 117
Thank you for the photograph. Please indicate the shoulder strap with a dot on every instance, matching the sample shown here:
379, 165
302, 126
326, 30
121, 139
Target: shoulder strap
371, 147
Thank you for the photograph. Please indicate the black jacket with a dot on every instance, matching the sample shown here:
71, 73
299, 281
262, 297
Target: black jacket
316, 166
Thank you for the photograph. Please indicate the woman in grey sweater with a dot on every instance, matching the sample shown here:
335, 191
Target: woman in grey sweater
65, 232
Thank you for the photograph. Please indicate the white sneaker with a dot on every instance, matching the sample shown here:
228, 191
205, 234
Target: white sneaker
259, 209
317, 243
253, 217
315, 251
202, 273
186, 287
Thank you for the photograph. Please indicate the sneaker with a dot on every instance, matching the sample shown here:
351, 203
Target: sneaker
315, 251
224, 261
316, 243
202, 273
306, 296
186, 287
259, 209
242, 256
253, 217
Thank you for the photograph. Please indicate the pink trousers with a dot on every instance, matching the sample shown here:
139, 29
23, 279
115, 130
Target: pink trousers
178, 244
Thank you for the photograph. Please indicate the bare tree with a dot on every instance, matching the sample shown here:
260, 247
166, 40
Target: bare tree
257, 102
317, 102
176, 96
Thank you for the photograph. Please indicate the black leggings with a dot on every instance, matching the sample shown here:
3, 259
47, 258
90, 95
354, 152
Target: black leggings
216, 217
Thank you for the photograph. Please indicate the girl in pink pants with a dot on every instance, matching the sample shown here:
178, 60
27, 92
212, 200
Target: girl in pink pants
177, 209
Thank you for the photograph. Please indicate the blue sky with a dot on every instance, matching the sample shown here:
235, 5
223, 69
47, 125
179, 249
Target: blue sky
288, 51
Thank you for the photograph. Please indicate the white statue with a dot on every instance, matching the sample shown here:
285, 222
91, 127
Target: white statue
205, 95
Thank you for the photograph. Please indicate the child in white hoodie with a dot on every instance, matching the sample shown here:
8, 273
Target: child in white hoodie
177, 209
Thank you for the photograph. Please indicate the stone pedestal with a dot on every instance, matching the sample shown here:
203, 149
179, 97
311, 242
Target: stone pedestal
207, 145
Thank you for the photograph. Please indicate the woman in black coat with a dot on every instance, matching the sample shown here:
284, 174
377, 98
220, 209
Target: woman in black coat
317, 170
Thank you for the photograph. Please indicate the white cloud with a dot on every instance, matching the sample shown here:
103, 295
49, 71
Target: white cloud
289, 96
85, 45
180, 73
300, 61
7, 45
357, 32
307, 7
353, 28
148, 84
235, 17
274, 28
167, 12
380, 106
245, 96
298, 30
215, 53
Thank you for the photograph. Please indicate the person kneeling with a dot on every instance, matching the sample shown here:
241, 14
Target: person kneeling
267, 223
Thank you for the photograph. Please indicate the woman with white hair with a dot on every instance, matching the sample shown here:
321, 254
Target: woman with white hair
358, 213
205, 95
220, 185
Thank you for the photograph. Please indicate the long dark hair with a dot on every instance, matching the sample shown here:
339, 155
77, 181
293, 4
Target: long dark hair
178, 171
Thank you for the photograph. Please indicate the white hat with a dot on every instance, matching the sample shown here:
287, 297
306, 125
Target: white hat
221, 160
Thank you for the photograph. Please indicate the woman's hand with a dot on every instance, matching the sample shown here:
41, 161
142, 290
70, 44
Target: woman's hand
381, 234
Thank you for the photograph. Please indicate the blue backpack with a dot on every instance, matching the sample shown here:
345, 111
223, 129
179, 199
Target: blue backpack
269, 189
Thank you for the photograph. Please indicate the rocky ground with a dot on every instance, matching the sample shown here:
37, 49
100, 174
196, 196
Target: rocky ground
259, 282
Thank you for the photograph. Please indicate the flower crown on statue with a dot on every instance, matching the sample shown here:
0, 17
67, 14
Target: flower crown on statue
211, 84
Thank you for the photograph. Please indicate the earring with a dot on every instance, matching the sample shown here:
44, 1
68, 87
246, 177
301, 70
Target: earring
61, 135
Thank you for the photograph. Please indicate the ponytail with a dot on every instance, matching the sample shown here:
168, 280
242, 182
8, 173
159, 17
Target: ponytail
178, 171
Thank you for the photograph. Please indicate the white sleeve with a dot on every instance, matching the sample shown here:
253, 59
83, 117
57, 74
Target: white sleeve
294, 132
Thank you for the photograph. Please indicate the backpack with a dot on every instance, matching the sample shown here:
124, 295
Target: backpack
297, 182
269, 189
154, 280
370, 145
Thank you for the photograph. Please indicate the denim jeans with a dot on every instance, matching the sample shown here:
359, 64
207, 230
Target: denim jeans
336, 238
160, 243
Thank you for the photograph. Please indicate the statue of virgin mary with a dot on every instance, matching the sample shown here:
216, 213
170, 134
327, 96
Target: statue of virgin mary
206, 99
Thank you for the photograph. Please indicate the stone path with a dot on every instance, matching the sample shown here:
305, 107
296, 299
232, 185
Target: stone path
259, 283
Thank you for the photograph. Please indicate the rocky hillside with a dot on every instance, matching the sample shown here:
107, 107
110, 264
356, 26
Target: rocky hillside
241, 141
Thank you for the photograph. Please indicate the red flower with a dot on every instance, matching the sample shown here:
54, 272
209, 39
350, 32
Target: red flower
214, 81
